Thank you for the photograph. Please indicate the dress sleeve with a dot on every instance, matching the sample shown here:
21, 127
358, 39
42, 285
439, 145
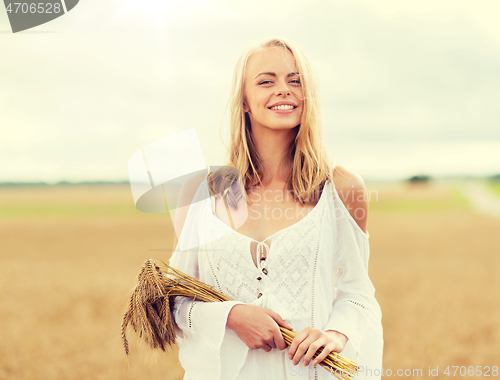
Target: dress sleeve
202, 324
354, 291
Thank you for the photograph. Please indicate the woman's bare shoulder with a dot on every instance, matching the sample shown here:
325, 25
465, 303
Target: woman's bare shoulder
189, 189
186, 195
353, 193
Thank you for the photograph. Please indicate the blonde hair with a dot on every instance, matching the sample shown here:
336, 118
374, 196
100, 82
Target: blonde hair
311, 166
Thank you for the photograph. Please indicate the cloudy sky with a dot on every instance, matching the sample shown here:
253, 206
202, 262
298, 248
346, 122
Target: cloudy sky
407, 87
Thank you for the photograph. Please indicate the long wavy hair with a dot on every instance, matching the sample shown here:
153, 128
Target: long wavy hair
311, 165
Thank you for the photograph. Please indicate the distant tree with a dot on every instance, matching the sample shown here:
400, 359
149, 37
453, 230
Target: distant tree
495, 177
419, 178
21, 184
63, 183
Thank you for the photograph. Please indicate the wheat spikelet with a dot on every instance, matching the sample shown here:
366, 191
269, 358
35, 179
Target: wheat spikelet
125, 322
152, 302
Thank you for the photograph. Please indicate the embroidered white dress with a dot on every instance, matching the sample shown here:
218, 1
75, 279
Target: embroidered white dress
318, 276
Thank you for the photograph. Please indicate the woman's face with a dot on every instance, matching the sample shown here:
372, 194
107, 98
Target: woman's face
273, 92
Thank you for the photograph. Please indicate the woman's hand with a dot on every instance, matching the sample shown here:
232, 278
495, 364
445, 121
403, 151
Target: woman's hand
309, 340
257, 327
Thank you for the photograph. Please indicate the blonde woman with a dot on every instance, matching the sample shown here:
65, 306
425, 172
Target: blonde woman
283, 232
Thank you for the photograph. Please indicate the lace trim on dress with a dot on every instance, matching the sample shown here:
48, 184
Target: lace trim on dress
353, 302
237, 276
189, 314
315, 266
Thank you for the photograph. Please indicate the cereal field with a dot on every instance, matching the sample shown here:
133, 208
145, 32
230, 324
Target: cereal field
69, 257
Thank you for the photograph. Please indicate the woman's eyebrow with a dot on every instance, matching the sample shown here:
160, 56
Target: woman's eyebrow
273, 74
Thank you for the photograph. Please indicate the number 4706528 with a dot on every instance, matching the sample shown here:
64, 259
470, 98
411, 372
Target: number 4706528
33, 8
471, 371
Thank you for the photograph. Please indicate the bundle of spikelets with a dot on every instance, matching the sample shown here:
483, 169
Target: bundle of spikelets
152, 301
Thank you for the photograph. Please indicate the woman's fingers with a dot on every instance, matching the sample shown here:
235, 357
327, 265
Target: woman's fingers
267, 348
300, 344
313, 347
280, 321
322, 356
257, 327
303, 349
271, 339
278, 340
307, 343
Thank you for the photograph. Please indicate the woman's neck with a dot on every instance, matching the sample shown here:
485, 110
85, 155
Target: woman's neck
273, 148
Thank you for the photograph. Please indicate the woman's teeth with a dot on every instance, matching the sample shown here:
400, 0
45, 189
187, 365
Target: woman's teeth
282, 107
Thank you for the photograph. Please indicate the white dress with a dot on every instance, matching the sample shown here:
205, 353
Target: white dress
317, 276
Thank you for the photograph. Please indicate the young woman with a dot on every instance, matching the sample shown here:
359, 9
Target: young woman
282, 232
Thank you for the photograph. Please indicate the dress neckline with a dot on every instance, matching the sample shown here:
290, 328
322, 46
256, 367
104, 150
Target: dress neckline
314, 209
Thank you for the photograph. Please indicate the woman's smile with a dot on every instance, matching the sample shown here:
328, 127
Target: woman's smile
283, 107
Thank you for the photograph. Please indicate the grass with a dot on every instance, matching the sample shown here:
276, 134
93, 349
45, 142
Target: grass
65, 285
61, 202
494, 186
418, 199
65, 211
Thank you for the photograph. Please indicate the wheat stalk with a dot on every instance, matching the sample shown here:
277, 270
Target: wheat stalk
152, 300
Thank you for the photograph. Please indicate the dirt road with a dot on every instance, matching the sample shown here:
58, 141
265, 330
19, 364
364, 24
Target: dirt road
482, 199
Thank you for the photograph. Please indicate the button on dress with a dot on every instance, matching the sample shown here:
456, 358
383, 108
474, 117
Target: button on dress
317, 275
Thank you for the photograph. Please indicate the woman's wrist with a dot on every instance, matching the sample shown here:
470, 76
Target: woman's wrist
338, 336
230, 317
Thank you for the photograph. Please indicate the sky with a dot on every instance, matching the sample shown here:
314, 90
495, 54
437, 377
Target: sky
407, 87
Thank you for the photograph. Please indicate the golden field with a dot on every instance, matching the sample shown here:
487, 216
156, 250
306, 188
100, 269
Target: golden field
70, 255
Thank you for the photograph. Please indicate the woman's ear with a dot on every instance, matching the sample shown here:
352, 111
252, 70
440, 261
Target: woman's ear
245, 107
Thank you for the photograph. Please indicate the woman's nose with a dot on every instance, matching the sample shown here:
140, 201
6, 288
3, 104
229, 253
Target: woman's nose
283, 89
282, 92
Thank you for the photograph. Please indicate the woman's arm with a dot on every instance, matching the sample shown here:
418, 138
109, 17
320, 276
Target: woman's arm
348, 314
354, 289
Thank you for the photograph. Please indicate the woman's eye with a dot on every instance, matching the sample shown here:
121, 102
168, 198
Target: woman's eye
295, 82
